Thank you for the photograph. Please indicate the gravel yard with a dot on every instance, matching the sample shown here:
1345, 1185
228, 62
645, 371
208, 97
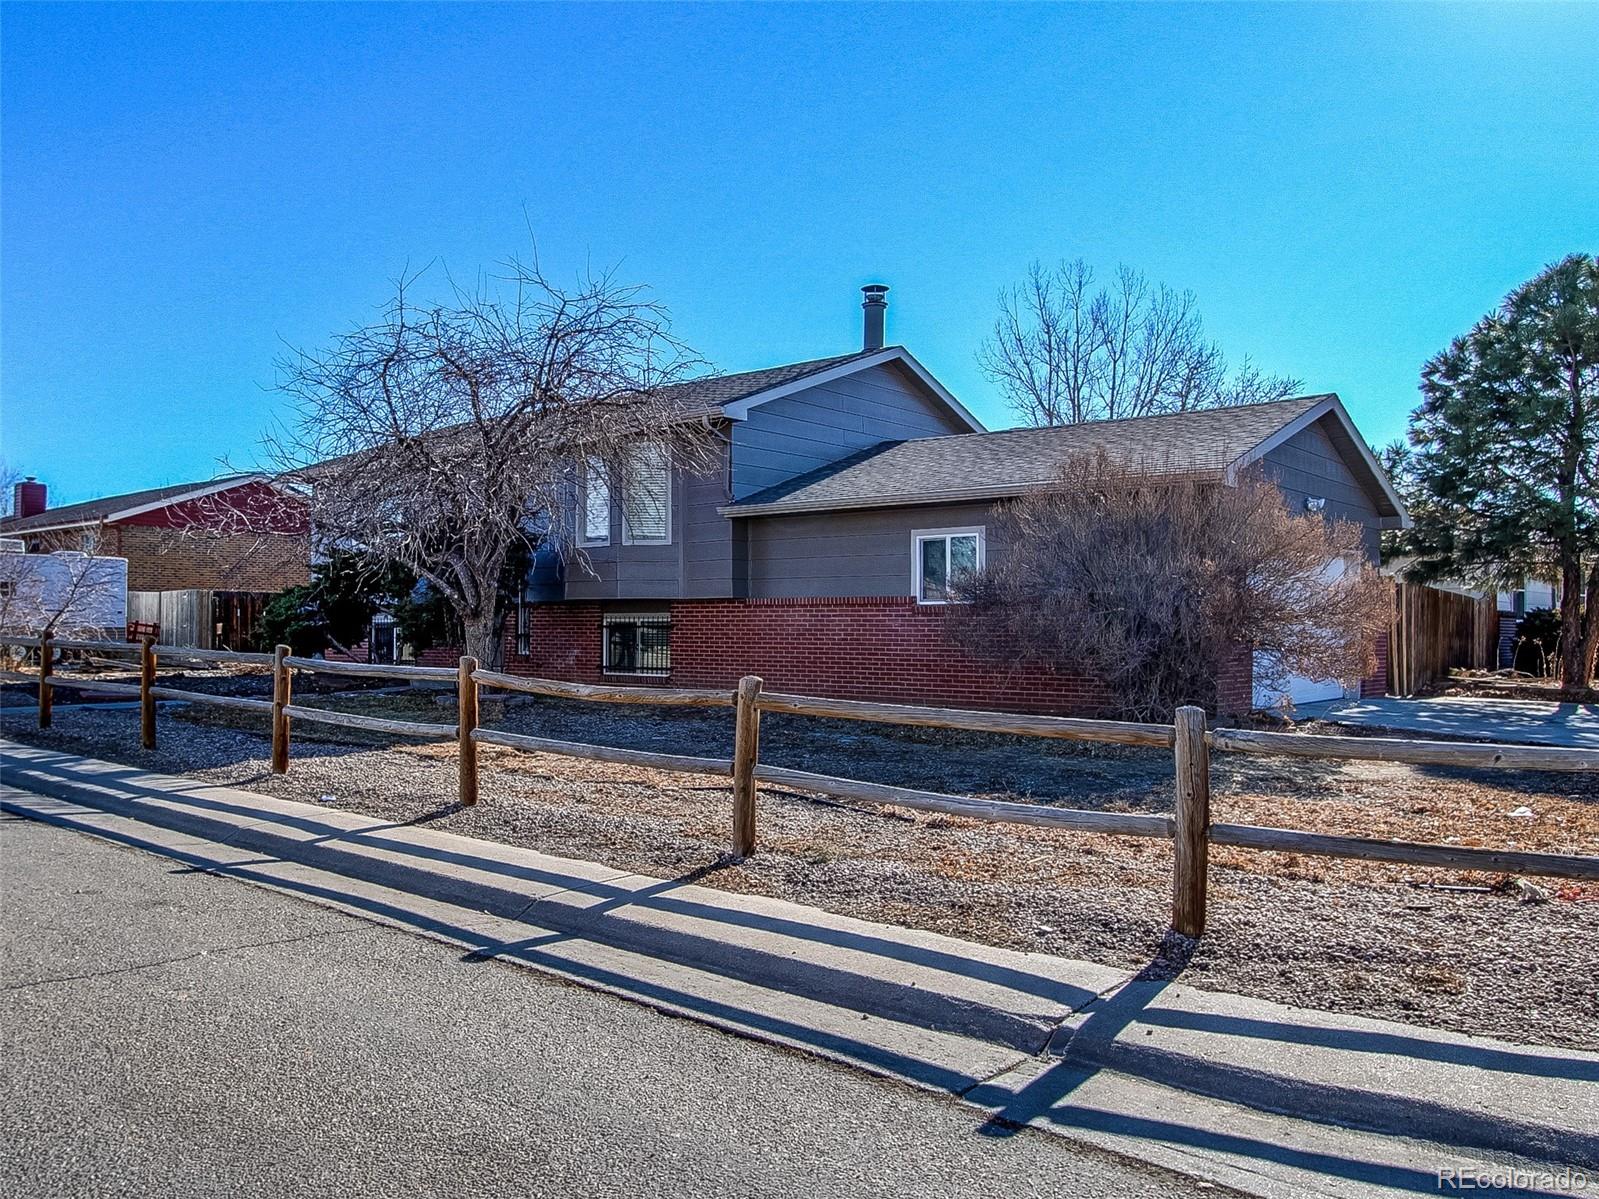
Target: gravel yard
1341, 935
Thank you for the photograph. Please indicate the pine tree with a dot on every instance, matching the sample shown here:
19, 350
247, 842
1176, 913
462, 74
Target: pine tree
1506, 454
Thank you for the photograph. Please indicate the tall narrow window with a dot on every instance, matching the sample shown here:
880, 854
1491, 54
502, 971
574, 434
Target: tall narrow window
942, 560
596, 504
647, 498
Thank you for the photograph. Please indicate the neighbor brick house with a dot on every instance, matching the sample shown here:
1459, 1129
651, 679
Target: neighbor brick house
848, 488
237, 533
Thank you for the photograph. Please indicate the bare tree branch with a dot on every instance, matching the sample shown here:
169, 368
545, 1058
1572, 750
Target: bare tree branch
441, 435
1064, 353
1155, 585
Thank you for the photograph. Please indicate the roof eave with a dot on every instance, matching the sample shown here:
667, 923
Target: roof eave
739, 409
917, 500
1330, 405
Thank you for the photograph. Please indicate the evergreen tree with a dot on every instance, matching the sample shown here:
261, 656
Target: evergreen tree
336, 607
1506, 452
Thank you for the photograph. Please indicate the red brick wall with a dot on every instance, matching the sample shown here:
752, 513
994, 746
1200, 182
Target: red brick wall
1235, 689
888, 649
1376, 683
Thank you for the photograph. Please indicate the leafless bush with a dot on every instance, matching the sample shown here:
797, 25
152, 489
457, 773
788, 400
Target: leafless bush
443, 434
1155, 585
62, 594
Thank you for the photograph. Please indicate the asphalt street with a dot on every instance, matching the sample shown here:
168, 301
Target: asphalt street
171, 1032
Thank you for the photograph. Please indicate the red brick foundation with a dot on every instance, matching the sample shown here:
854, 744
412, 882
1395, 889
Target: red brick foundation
888, 649
1376, 683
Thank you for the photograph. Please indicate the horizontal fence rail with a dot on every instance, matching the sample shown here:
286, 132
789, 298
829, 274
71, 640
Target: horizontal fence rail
186, 653
664, 696
1116, 732
104, 647
606, 753
1410, 853
1131, 824
1416, 753
373, 670
374, 724
132, 689
242, 702
1190, 829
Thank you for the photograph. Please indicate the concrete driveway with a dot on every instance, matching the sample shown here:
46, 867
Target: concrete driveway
1517, 721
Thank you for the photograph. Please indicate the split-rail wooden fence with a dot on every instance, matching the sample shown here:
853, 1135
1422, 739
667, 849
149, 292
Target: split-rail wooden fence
1189, 828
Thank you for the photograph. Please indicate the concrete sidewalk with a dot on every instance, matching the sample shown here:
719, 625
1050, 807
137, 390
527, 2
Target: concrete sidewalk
1271, 1099
1483, 718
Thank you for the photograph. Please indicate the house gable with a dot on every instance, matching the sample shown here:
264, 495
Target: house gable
783, 436
1336, 439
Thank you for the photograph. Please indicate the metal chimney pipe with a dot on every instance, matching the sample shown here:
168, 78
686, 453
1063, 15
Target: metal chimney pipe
876, 306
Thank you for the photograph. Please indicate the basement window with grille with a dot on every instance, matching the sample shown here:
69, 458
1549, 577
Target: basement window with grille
638, 644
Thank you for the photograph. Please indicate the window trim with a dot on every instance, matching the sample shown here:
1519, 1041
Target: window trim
609, 618
920, 535
627, 531
583, 537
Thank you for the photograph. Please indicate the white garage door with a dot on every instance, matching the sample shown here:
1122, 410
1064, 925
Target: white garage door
1299, 689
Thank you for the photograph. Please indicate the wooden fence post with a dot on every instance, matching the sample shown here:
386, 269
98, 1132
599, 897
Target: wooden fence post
146, 699
1192, 826
280, 720
466, 725
47, 652
746, 752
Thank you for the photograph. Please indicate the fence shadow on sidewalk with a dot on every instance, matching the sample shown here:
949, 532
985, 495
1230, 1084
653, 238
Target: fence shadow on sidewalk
334, 871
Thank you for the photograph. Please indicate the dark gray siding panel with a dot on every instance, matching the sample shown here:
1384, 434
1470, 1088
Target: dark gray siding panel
699, 564
708, 547
822, 424
1310, 464
846, 553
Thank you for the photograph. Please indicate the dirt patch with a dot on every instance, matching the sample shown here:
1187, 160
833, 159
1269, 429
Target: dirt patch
1368, 938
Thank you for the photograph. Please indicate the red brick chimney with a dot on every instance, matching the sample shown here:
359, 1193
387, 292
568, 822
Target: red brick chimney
28, 498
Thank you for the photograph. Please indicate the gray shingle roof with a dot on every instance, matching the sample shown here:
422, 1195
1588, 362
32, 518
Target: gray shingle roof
706, 397
1010, 461
93, 511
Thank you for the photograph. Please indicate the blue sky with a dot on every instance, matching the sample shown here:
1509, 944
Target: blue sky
185, 190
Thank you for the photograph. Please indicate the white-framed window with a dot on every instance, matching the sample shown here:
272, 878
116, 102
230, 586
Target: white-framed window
637, 643
941, 558
647, 498
594, 514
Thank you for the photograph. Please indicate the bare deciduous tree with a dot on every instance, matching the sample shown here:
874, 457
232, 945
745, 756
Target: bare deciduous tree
64, 594
1064, 353
1154, 585
443, 434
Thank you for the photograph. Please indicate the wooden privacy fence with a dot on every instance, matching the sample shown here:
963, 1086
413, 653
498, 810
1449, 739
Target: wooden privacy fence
1435, 631
198, 617
1189, 828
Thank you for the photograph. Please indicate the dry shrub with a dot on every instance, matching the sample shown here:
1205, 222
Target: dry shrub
1155, 584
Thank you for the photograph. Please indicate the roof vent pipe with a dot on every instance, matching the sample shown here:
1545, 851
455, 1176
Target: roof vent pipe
876, 306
